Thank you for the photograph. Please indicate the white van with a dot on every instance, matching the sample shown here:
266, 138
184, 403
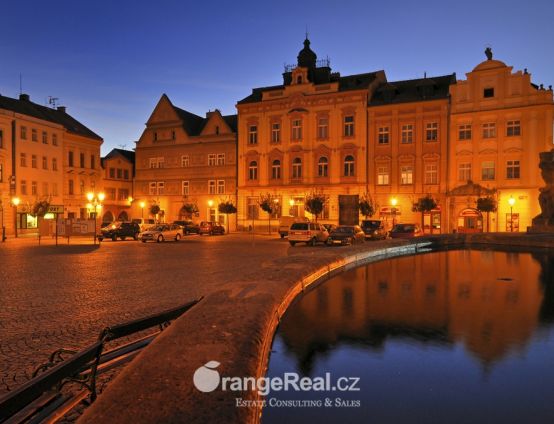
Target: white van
286, 221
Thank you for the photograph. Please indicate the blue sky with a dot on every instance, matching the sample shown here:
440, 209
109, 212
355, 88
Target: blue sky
110, 61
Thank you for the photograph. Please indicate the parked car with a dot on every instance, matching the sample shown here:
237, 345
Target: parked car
329, 227
189, 227
307, 232
162, 232
211, 228
346, 234
374, 229
406, 231
286, 221
144, 223
119, 230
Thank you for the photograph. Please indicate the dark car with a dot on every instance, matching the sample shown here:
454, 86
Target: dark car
406, 231
329, 227
120, 230
211, 228
374, 229
189, 227
346, 234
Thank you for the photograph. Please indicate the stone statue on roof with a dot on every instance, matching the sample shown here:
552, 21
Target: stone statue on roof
488, 53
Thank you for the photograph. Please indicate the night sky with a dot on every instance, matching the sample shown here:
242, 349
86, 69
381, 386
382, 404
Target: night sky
110, 61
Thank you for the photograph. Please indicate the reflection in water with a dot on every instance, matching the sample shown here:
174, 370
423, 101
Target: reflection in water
460, 314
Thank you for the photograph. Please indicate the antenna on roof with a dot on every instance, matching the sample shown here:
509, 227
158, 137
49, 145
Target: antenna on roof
306, 31
424, 74
122, 146
20, 83
53, 101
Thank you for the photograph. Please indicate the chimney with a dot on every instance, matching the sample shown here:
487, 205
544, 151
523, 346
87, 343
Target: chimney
24, 97
61, 109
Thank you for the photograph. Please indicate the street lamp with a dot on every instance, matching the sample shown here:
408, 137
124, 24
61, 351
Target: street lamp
142, 205
511, 202
15, 204
210, 203
95, 205
393, 202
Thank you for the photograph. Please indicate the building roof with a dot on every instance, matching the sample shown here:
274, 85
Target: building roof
24, 106
192, 123
129, 155
431, 88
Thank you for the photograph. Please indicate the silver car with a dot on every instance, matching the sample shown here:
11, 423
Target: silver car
307, 232
162, 232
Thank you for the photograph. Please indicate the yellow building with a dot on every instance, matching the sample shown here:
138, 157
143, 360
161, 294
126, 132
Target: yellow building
33, 161
499, 122
118, 172
309, 133
182, 158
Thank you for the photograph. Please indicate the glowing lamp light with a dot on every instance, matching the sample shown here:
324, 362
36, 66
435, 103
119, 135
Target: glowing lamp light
291, 202
90, 196
210, 203
15, 201
101, 196
394, 201
276, 200
142, 205
511, 201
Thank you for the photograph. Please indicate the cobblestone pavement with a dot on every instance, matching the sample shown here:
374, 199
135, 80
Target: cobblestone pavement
62, 296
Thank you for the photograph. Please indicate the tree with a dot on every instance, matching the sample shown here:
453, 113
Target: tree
227, 208
367, 206
424, 205
315, 202
40, 208
488, 205
270, 205
189, 209
154, 210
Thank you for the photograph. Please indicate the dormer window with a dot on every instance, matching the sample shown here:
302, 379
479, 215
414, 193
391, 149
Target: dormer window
299, 79
488, 93
217, 130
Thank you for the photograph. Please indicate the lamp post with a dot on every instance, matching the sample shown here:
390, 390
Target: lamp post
142, 205
15, 204
94, 205
393, 202
210, 204
291, 204
511, 202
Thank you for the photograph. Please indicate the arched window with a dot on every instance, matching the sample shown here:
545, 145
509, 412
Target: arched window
349, 166
323, 167
297, 168
299, 79
123, 216
253, 170
276, 169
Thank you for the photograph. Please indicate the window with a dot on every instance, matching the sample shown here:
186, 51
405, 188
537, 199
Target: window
54, 189
1, 139
276, 132
156, 187
157, 162
185, 188
184, 161
34, 161
253, 134
212, 159
512, 169
155, 136
23, 187
252, 208
45, 189
221, 159
253, 170
296, 129
297, 168
407, 134
489, 130
349, 166
487, 170
299, 79
44, 137
112, 172
71, 187
34, 135
323, 167
23, 159
211, 186
125, 174
161, 187
220, 186
432, 131
217, 130
488, 92
82, 160
349, 126
464, 132
110, 193
23, 133
122, 194
92, 162
431, 173
407, 174
54, 139
54, 164
323, 128
383, 135
1, 173
70, 158
119, 173
34, 188
82, 187
173, 135
464, 172
44, 162
276, 169
383, 175
513, 129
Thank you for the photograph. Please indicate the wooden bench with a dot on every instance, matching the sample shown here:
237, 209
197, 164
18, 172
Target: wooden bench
41, 397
